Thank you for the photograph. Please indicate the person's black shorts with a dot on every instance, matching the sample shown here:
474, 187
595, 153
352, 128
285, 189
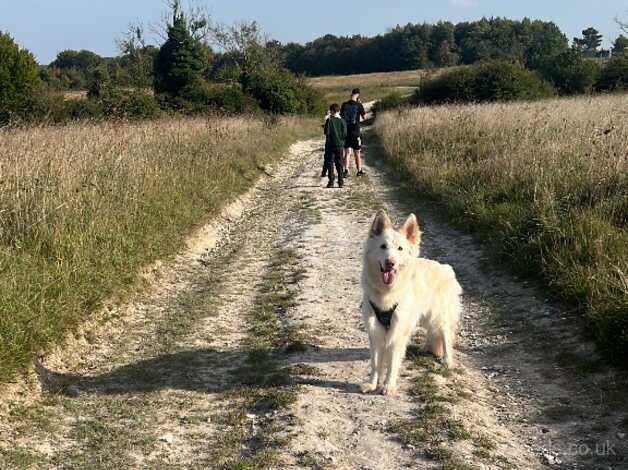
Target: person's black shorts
353, 142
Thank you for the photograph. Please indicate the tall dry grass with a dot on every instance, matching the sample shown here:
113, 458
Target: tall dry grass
82, 207
545, 182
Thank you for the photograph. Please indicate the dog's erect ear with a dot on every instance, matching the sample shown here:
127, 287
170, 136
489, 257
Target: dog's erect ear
381, 223
410, 230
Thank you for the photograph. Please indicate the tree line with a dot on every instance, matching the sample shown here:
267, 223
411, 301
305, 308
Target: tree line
418, 46
532, 43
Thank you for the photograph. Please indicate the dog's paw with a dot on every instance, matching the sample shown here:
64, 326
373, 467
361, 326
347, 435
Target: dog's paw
389, 389
369, 387
448, 362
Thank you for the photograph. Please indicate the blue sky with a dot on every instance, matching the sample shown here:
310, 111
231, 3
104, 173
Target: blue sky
48, 26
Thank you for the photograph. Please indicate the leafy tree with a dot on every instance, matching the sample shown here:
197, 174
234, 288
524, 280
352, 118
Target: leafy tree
246, 50
100, 83
83, 60
72, 70
412, 45
442, 45
589, 43
182, 59
18, 78
257, 65
543, 40
473, 40
620, 46
137, 57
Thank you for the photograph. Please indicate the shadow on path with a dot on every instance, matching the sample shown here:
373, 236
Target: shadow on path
202, 370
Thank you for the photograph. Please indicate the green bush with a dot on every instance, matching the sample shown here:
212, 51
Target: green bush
227, 99
211, 98
45, 105
614, 76
18, 78
313, 99
570, 72
278, 91
129, 104
392, 100
497, 81
79, 108
231, 100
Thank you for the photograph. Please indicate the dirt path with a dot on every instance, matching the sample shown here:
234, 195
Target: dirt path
247, 351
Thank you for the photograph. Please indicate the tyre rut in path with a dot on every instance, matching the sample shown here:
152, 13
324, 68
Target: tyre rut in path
171, 380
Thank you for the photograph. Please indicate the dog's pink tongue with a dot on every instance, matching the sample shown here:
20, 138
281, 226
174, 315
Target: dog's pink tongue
389, 277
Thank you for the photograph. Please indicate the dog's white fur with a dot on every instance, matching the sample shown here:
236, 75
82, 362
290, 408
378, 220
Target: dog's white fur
426, 294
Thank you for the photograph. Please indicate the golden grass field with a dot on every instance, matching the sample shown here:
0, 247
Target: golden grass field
83, 206
373, 85
545, 182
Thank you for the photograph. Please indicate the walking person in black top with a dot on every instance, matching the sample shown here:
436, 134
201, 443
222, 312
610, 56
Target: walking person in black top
324, 126
335, 136
353, 112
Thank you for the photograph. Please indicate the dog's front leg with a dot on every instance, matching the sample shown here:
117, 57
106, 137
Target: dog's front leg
371, 385
396, 351
376, 342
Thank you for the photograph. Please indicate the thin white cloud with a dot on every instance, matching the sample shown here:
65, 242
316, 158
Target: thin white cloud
463, 3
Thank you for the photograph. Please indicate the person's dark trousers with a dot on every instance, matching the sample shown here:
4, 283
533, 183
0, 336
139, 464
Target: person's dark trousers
325, 162
328, 162
334, 158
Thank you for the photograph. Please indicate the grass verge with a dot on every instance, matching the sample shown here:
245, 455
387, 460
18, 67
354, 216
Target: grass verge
84, 206
544, 183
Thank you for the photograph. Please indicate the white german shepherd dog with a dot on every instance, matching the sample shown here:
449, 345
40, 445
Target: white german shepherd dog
401, 292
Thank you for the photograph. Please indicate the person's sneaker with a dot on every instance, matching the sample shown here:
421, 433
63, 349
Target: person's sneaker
330, 184
346, 173
340, 185
323, 174
360, 173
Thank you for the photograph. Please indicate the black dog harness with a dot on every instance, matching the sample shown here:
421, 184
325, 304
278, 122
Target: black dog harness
384, 317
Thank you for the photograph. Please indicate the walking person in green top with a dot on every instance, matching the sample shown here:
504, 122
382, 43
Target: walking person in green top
335, 136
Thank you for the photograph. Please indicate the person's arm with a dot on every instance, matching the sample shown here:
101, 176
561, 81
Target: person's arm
326, 127
362, 112
344, 129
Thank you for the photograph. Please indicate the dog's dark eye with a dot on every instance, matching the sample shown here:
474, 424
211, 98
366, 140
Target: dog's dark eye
400, 248
383, 246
